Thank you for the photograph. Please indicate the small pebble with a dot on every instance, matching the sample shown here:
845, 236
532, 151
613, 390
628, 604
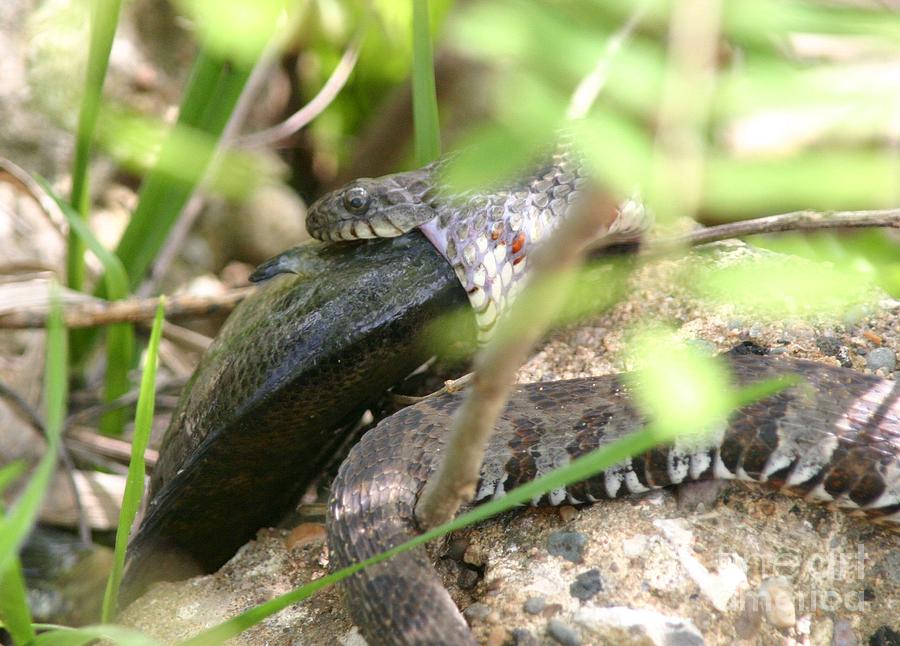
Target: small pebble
497, 637
778, 602
829, 345
467, 578
885, 636
522, 637
843, 635
305, 534
563, 633
567, 513
477, 612
881, 358
568, 545
586, 585
534, 605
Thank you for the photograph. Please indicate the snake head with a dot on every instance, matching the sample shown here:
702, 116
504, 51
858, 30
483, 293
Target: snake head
383, 207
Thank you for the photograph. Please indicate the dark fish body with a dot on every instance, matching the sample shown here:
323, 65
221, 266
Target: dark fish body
274, 395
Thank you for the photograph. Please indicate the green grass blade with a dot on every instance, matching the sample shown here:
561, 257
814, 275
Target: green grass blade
90, 634
134, 485
425, 108
14, 604
120, 337
10, 472
208, 102
18, 521
104, 18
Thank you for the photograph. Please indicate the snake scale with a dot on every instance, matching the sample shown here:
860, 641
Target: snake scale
834, 437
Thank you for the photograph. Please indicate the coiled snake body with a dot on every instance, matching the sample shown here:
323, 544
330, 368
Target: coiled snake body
834, 437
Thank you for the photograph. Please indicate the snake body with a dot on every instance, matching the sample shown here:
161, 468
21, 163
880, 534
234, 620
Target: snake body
833, 438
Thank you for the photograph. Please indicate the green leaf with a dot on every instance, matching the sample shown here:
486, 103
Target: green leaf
89, 634
120, 337
209, 99
104, 17
680, 389
425, 108
134, 484
17, 523
10, 472
14, 604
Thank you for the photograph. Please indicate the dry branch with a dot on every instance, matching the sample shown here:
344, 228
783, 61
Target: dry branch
98, 312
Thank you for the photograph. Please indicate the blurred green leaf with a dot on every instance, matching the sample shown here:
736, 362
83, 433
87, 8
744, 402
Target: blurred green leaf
780, 287
119, 336
9, 472
90, 634
104, 18
874, 254
15, 615
18, 521
134, 484
14, 609
137, 143
425, 108
239, 30
679, 388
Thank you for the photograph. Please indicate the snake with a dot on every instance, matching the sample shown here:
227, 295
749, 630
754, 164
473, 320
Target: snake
834, 437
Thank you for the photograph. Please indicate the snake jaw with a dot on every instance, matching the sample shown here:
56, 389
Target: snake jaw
385, 207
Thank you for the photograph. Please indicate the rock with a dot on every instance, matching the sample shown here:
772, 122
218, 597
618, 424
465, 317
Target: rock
534, 605
885, 636
843, 634
477, 612
522, 637
778, 602
637, 627
568, 545
587, 584
881, 358
563, 633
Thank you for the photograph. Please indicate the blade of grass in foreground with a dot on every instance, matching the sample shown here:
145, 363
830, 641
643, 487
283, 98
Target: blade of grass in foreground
17, 523
62, 636
425, 108
14, 612
104, 18
14, 604
134, 485
119, 336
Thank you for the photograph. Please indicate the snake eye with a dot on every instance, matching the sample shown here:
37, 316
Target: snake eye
356, 199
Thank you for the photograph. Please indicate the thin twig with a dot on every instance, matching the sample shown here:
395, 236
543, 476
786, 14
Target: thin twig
590, 86
793, 221
34, 419
128, 399
298, 120
98, 312
450, 386
109, 447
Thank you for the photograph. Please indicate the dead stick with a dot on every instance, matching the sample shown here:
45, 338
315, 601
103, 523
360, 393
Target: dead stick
793, 221
453, 484
94, 313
